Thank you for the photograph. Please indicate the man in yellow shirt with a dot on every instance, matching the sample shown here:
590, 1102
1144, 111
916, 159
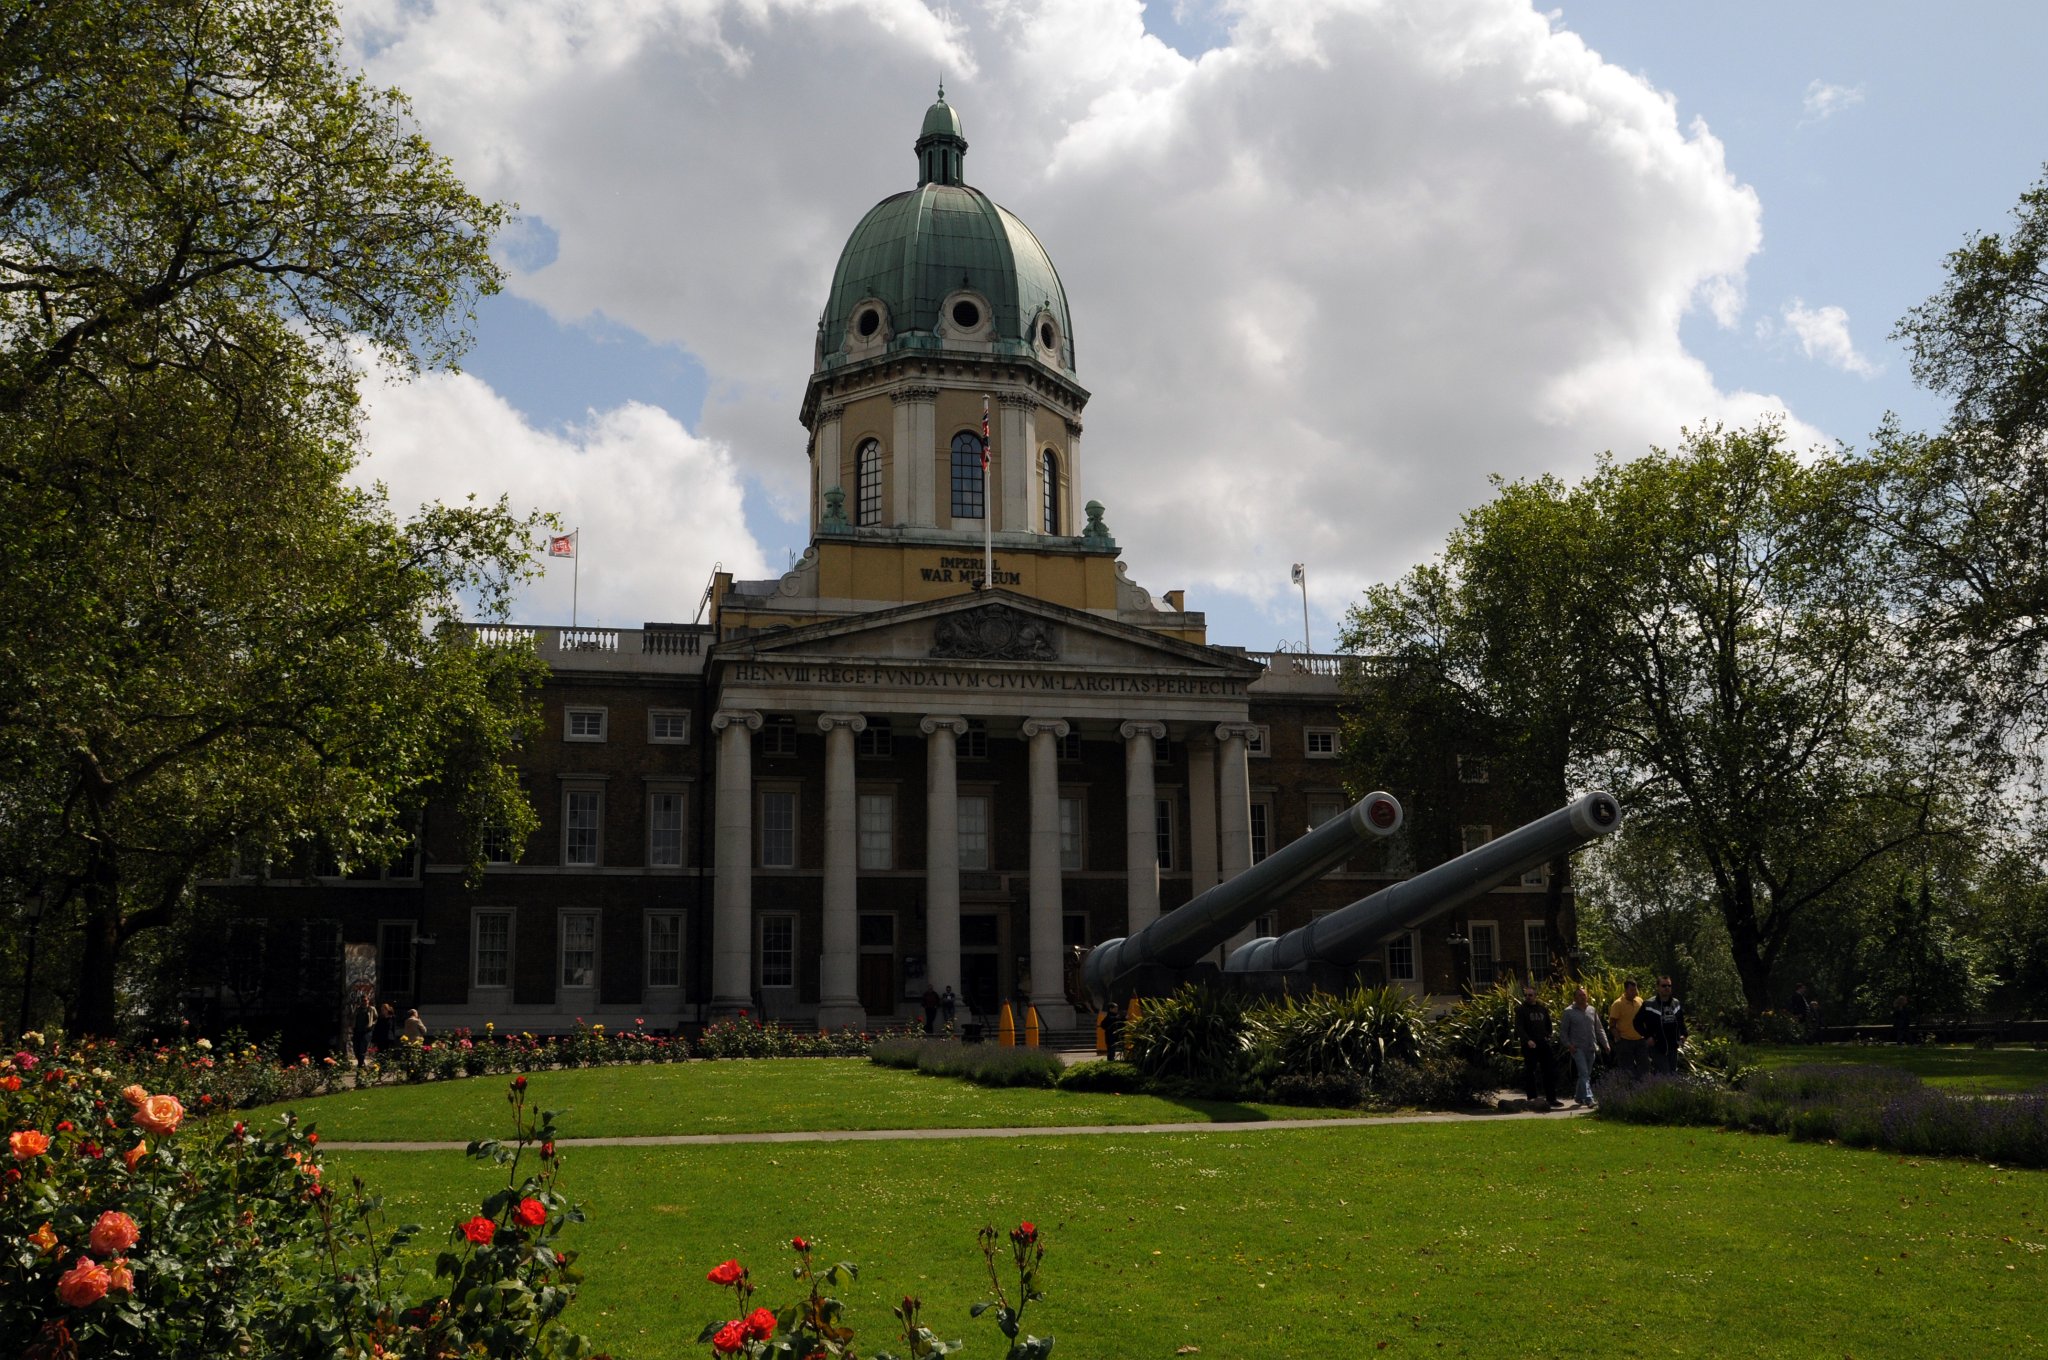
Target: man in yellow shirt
1631, 1048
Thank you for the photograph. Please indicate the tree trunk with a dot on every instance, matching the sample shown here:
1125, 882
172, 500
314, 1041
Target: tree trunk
1561, 947
1745, 942
95, 1007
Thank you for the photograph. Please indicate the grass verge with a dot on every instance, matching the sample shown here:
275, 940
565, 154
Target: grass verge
742, 1097
1468, 1239
1954, 1067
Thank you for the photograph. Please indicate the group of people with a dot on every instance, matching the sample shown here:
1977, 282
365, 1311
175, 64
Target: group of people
939, 1006
373, 1028
1642, 1034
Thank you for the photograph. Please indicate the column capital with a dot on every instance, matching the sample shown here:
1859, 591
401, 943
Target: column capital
1023, 400
903, 394
853, 721
830, 413
1240, 731
1032, 727
1142, 727
748, 718
934, 722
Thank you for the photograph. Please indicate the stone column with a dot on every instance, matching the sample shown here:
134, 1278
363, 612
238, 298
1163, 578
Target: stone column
1234, 812
1017, 443
838, 991
825, 468
732, 901
915, 446
1072, 511
1141, 838
1202, 811
1048, 976
942, 850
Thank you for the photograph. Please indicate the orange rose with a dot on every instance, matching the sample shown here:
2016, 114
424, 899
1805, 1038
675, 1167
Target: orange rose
45, 1240
10, 1082
27, 1143
113, 1233
134, 1095
84, 1284
135, 1154
120, 1278
160, 1115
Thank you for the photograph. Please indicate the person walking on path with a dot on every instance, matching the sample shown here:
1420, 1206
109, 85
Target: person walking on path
384, 1033
1631, 1049
1580, 1031
1532, 1029
359, 1029
930, 1002
948, 1004
1662, 1021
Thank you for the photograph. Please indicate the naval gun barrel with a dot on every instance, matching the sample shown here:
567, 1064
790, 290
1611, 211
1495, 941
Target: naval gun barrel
1350, 933
1181, 937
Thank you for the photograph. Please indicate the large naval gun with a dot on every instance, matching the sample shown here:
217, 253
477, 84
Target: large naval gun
1170, 950
1344, 937
1327, 951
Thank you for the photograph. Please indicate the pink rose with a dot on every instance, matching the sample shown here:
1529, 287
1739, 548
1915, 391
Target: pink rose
84, 1284
113, 1233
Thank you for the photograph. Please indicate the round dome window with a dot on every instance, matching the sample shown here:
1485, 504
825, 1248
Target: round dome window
868, 322
966, 315
1045, 335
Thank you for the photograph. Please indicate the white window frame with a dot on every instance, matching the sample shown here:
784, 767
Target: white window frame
761, 947
655, 716
1068, 748
761, 798
570, 793
1331, 804
1258, 743
1410, 943
876, 741
1310, 736
973, 743
1473, 931
682, 812
971, 860
476, 948
675, 919
1073, 839
1537, 877
562, 919
777, 736
1472, 836
1531, 930
571, 712
1261, 812
496, 836
875, 845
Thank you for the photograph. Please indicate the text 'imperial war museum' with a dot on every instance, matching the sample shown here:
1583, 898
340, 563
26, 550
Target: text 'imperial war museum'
893, 767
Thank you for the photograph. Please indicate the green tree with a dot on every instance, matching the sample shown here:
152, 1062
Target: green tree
1502, 649
208, 638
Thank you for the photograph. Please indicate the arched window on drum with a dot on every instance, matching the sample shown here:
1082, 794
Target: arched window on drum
867, 483
1049, 477
970, 477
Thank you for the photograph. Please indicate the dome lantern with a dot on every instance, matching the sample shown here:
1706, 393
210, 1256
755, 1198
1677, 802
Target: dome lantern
941, 149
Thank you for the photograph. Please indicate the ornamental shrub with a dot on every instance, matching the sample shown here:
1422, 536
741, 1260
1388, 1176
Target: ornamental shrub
1348, 1037
1198, 1034
1107, 1078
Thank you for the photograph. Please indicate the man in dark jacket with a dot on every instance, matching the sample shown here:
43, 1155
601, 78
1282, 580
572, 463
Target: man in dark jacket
1532, 1033
1662, 1022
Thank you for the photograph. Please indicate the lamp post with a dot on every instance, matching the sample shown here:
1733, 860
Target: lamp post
34, 908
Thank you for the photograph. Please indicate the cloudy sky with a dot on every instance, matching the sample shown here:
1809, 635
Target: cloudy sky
1332, 263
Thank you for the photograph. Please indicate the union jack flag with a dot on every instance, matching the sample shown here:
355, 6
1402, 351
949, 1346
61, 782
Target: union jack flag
984, 436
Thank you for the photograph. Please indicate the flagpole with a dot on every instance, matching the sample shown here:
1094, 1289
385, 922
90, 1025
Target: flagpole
1301, 577
576, 574
988, 533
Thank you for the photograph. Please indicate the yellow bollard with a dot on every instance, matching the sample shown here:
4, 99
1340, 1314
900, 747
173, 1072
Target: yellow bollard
1101, 1038
1031, 1027
1131, 1015
1006, 1028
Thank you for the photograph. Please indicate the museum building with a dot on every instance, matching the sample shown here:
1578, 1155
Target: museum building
952, 745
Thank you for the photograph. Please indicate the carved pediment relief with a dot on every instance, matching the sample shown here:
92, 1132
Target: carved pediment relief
995, 632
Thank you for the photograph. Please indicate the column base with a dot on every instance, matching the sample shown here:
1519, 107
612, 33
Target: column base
1054, 1012
841, 1014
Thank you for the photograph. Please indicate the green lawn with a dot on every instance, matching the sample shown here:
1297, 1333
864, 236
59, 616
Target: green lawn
1952, 1066
738, 1097
1477, 1238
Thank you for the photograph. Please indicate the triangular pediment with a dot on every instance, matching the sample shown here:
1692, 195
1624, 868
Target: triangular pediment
989, 628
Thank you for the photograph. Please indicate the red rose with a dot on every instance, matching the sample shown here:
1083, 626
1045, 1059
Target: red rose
480, 1230
241, 1130
531, 1212
10, 1082
519, 1083
1024, 1234
91, 1149
547, 1149
313, 1138
728, 1273
730, 1337
760, 1324
799, 1244
65, 1126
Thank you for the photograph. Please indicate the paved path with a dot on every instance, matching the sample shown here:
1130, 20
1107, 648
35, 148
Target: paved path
1053, 1131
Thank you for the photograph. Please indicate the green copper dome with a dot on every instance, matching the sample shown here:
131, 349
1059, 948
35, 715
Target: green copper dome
918, 256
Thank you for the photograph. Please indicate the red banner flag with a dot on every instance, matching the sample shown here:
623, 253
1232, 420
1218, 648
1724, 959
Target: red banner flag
562, 545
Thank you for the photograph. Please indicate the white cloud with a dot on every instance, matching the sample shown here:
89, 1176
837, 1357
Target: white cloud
1825, 101
1822, 333
1325, 279
656, 504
